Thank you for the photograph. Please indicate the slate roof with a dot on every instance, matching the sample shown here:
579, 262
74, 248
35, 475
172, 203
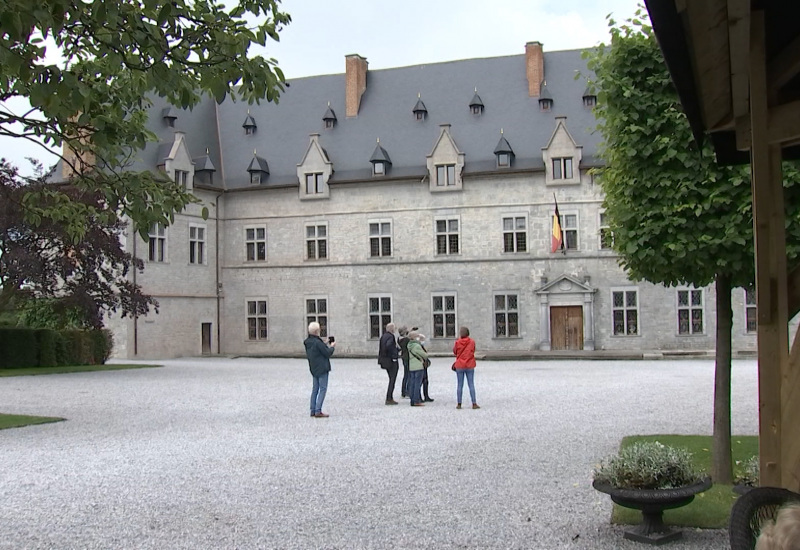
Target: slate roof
284, 129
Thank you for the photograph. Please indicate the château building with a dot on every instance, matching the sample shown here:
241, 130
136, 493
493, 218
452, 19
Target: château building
422, 195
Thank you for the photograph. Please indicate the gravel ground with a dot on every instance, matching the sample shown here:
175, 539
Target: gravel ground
210, 453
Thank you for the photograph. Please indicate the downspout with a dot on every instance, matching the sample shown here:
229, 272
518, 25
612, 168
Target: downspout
216, 231
135, 314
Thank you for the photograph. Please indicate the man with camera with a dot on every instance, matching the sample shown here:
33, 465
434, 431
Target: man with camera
319, 363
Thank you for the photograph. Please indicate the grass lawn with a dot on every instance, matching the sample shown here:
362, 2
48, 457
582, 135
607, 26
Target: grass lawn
19, 420
60, 370
709, 510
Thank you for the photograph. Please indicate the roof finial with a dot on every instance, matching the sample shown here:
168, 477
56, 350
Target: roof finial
329, 104
254, 153
248, 111
206, 150
379, 140
419, 95
476, 89
501, 131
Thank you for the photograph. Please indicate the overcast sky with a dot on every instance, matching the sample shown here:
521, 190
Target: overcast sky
411, 32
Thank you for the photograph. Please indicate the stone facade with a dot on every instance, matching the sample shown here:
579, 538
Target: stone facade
449, 234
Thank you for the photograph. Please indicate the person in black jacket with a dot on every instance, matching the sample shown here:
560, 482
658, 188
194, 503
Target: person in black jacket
387, 359
403, 343
319, 363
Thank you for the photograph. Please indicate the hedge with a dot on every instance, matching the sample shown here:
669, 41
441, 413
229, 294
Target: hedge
27, 347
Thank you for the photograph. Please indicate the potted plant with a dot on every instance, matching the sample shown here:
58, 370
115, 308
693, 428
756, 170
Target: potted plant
650, 477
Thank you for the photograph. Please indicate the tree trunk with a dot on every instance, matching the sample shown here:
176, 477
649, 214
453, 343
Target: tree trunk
721, 462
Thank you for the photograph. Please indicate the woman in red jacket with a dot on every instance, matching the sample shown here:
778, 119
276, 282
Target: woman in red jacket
464, 350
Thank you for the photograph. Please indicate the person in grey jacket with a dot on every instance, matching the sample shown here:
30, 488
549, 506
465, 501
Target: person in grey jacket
319, 363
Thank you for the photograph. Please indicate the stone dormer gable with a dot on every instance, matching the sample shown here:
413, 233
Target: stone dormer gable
565, 284
314, 171
562, 156
174, 159
445, 163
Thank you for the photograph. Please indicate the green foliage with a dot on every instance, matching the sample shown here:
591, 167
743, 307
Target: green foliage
46, 342
49, 313
748, 471
677, 216
115, 57
18, 348
648, 465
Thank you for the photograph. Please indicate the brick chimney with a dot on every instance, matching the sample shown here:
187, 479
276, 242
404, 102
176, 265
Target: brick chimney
534, 64
355, 82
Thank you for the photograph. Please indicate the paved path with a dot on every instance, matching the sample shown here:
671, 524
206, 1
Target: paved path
209, 453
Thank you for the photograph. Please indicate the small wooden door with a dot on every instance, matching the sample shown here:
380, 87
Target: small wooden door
566, 328
205, 329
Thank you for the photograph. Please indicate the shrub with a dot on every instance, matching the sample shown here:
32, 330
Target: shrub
18, 348
46, 343
748, 471
103, 343
648, 465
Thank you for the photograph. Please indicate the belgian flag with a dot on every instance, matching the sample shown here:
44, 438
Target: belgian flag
557, 238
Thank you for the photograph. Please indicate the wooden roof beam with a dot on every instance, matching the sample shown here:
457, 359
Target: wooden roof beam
739, 47
784, 66
783, 126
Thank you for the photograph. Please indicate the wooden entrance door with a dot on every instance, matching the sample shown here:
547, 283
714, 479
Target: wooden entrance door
205, 329
566, 328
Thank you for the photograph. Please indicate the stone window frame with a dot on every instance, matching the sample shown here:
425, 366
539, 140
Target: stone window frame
563, 163
440, 312
750, 311
380, 314
317, 240
314, 315
690, 308
255, 313
447, 234
625, 309
571, 229
514, 232
378, 240
255, 242
448, 170
157, 243
604, 233
505, 312
198, 249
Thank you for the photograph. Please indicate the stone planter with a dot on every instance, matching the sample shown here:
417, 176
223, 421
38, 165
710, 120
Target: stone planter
652, 503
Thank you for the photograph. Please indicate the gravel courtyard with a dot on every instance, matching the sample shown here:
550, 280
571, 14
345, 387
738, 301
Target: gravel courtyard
221, 453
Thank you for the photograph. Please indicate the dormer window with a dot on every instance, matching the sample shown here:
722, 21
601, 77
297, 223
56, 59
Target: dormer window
169, 116
589, 101
503, 152
249, 125
545, 99
476, 105
181, 178
380, 160
329, 118
420, 112
203, 170
258, 170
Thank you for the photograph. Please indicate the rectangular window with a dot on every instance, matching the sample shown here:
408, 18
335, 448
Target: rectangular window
503, 159
313, 184
606, 236
380, 238
445, 175
255, 178
690, 311
317, 241
181, 178
750, 310
569, 227
256, 319
157, 243
317, 312
197, 244
506, 316
256, 244
515, 234
443, 308
625, 311
380, 313
562, 168
447, 236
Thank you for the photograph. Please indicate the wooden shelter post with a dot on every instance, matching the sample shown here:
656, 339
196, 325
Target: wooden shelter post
771, 275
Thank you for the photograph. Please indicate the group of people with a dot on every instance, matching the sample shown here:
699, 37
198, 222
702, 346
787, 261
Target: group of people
394, 345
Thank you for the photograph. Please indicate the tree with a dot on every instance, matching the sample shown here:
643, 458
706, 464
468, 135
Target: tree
677, 216
115, 57
66, 282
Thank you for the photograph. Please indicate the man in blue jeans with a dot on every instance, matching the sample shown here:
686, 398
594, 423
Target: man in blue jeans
319, 363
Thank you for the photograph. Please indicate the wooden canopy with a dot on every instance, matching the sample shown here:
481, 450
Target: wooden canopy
736, 65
